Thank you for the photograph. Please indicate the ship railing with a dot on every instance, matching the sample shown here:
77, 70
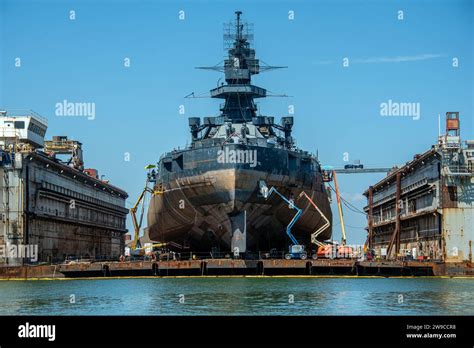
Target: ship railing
85, 259
454, 169
177, 256
182, 256
257, 255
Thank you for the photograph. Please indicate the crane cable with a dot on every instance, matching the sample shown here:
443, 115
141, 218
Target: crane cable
347, 204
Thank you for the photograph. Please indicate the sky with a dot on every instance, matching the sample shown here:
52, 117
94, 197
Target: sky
135, 62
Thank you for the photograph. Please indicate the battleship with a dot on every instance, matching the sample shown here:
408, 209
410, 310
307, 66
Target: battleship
210, 193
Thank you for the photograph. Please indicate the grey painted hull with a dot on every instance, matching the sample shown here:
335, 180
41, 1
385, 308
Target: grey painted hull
202, 195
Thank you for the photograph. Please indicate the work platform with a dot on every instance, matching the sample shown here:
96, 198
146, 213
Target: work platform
272, 267
239, 267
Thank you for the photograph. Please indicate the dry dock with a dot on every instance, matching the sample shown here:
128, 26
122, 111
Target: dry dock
420, 219
226, 267
238, 267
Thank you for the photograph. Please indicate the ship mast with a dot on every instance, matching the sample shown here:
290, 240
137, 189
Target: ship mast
239, 29
238, 92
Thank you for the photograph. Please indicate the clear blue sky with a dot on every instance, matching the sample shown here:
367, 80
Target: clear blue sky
337, 109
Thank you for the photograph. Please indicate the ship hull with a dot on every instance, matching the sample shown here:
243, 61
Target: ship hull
203, 195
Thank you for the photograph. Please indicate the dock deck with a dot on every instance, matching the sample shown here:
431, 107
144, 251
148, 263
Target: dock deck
268, 267
239, 267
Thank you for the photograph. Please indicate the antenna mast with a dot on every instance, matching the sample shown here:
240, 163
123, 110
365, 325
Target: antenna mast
239, 28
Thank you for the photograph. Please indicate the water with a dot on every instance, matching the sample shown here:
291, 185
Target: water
239, 296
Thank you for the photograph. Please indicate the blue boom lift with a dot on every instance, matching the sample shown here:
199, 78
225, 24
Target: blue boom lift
296, 250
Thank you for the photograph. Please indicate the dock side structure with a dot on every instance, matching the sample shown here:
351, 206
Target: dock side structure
424, 210
52, 209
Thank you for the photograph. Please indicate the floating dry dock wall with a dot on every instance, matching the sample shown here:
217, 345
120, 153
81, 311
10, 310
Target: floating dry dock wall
425, 209
61, 210
52, 209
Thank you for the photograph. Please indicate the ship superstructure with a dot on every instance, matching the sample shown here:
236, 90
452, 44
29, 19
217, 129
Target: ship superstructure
210, 190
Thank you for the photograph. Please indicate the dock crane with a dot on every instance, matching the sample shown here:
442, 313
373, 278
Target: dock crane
329, 174
296, 250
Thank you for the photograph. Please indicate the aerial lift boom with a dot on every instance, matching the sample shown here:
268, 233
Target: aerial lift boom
339, 207
135, 246
133, 210
326, 224
133, 213
329, 174
296, 250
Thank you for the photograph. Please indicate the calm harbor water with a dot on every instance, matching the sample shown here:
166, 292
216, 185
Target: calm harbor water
239, 296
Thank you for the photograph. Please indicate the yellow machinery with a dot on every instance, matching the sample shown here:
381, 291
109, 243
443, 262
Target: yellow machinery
133, 212
329, 175
136, 247
61, 145
339, 207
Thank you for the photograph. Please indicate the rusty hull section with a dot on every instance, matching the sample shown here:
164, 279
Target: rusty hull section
198, 210
265, 267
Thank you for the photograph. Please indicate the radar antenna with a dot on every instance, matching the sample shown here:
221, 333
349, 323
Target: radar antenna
239, 34
238, 92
